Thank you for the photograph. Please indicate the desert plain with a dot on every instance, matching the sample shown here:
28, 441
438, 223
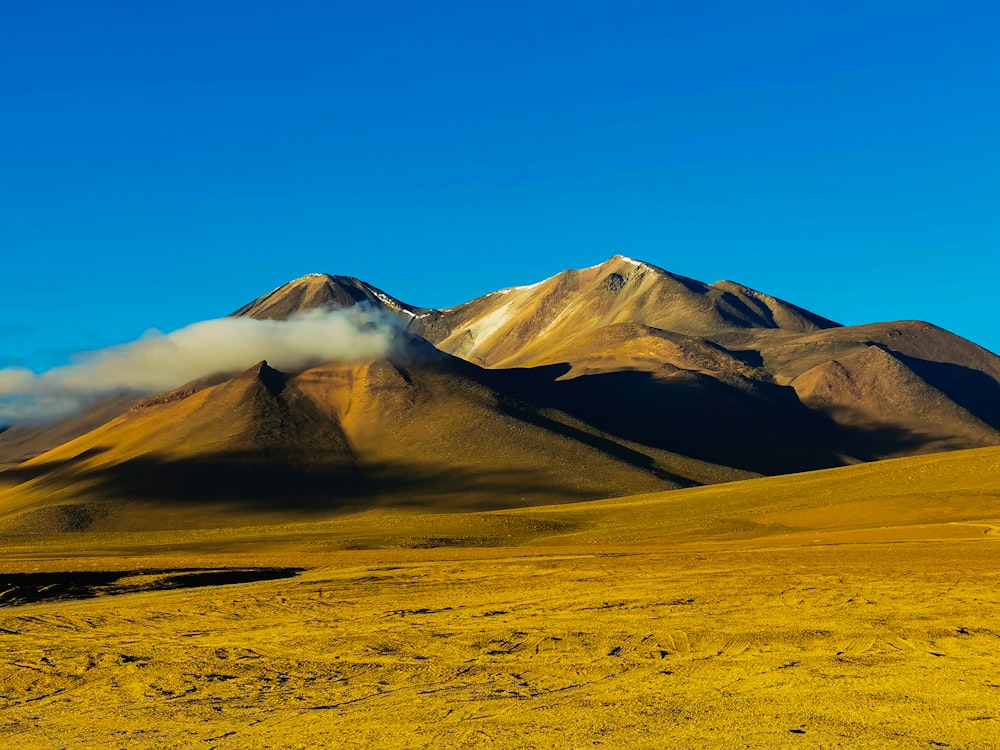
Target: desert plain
850, 607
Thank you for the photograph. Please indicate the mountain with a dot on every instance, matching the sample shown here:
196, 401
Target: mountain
418, 429
893, 389
520, 326
601, 382
875, 393
721, 361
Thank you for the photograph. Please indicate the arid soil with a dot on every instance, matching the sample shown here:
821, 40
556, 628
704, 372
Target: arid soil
715, 645
852, 607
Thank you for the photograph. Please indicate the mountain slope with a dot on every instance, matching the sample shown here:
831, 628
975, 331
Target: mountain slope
22, 442
875, 395
626, 316
894, 389
520, 325
420, 429
939, 496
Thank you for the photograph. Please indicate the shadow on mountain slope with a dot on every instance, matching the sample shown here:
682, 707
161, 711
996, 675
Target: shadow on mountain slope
20, 473
254, 483
876, 442
762, 427
526, 414
973, 390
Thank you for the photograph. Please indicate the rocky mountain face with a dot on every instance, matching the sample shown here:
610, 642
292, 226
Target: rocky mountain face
611, 380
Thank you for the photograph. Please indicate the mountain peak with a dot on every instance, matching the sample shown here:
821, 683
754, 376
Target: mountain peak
273, 380
617, 258
630, 267
624, 263
326, 291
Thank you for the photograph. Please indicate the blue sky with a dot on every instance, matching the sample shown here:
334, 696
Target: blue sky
166, 162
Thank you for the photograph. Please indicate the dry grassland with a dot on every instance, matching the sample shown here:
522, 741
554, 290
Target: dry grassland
743, 626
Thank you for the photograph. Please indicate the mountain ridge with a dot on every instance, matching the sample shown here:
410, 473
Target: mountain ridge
613, 379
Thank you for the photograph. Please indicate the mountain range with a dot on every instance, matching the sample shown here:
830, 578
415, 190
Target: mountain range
617, 379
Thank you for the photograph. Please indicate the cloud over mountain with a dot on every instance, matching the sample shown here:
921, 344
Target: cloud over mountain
158, 361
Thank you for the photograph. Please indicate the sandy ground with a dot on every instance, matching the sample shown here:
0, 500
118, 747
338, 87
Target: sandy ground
721, 645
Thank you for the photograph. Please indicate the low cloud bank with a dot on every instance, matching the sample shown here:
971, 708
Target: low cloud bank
158, 362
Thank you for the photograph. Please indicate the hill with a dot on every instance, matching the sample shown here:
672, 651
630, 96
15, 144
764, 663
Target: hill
419, 429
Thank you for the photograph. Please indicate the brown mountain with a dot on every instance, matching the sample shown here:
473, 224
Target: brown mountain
712, 357
419, 429
521, 326
873, 393
601, 382
894, 389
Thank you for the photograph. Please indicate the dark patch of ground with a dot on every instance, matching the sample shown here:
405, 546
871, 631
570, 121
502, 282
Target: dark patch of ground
17, 589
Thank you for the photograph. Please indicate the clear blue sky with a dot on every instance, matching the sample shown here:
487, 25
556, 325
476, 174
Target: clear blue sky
165, 162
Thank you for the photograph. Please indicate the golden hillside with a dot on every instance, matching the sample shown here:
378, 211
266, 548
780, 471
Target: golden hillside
430, 431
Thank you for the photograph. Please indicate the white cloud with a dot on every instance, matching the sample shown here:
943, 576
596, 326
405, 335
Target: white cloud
158, 362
